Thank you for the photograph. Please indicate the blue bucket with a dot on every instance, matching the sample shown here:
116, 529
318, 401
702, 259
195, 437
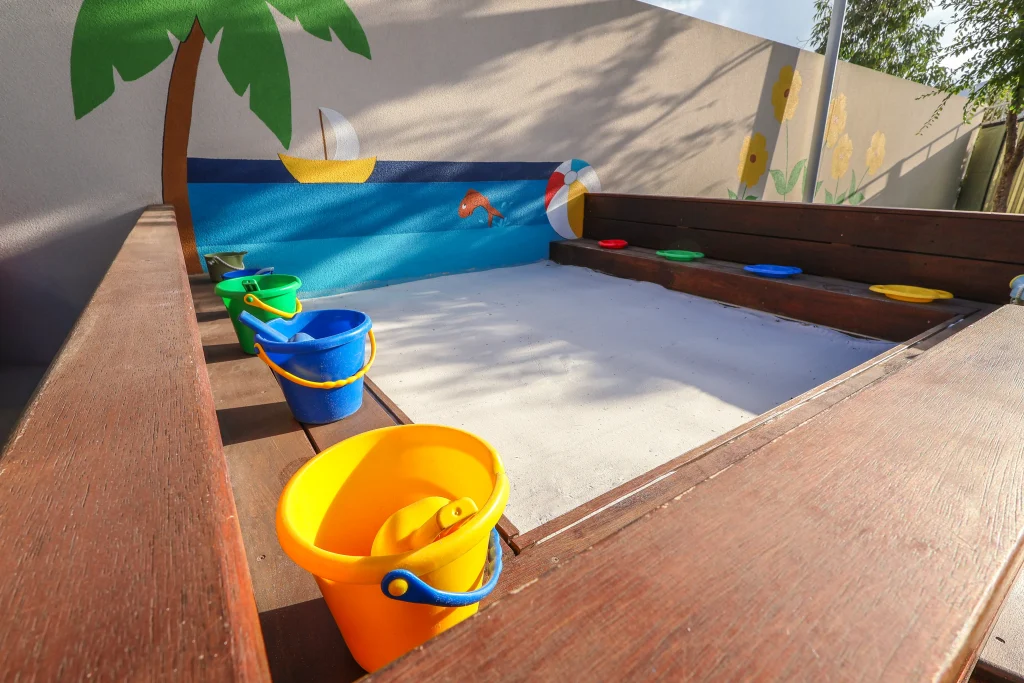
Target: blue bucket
335, 354
247, 272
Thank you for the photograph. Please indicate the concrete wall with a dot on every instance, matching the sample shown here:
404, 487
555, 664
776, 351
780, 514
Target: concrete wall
69, 190
655, 102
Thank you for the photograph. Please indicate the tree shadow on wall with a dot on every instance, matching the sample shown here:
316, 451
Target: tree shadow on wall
628, 100
913, 180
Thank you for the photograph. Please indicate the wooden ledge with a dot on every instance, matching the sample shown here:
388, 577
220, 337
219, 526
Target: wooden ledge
840, 304
122, 557
875, 541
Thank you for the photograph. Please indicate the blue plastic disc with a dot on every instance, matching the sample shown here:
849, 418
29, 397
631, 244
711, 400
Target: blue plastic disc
765, 270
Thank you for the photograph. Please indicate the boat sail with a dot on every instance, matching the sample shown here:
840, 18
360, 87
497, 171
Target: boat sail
340, 165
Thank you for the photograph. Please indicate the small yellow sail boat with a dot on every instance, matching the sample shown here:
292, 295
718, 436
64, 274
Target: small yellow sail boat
341, 166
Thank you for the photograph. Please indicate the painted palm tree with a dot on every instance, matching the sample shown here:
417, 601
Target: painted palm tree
132, 37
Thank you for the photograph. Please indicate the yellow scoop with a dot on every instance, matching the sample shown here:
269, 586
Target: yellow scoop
420, 523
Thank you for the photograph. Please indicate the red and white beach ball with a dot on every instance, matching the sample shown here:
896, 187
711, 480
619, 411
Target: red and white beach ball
563, 200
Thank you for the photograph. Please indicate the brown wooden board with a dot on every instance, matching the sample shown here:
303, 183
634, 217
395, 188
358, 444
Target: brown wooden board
122, 558
966, 278
873, 542
1003, 654
842, 305
970, 235
580, 528
264, 446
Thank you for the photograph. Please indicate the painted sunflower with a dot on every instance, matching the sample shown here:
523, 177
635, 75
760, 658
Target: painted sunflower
875, 155
753, 159
786, 93
836, 120
841, 157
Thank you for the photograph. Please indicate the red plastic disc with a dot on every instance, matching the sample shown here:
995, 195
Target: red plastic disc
613, 244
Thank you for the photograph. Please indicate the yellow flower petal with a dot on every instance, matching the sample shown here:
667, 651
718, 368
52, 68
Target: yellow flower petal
875, 155
841, 156
786, 93
836, 120
793, 99
753, 159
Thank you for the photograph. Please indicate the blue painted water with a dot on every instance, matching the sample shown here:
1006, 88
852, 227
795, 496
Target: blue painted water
341, 237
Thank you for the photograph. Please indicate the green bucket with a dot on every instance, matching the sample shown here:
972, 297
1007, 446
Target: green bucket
276, 292
223, 262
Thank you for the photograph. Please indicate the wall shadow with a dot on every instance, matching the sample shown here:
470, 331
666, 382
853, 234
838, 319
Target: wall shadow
45, 289
251, 423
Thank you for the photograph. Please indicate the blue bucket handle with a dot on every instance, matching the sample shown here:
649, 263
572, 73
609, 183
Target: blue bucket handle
419, 592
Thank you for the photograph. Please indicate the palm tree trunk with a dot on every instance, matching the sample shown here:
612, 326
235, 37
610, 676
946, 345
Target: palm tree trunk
177, 124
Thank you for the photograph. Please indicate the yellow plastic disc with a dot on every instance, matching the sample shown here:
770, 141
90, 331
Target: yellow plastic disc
915, 295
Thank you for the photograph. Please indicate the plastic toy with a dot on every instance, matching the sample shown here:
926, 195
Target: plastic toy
350, 494
1017, 290
680, 255
613, 244
776, 272
914, 295
247, 272
222, 262
318, 359
264, 296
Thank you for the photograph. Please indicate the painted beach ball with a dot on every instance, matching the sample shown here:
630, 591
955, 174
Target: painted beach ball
563, 200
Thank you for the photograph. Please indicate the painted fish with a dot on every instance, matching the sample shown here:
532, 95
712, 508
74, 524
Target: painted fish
473, 201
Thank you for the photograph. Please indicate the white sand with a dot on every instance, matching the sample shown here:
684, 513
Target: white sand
583, 381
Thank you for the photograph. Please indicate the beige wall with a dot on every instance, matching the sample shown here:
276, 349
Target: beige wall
656, 102
69, 190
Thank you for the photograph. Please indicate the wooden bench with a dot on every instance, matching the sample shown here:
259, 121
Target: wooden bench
122, 557
812, 542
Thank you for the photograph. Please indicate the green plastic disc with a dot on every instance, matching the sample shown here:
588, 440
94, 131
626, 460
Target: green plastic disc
680, 255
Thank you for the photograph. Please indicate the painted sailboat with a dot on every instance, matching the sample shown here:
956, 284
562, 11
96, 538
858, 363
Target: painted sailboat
340, 165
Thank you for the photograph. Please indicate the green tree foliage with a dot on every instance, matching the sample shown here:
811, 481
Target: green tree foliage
989, 39
890, 36
132, 38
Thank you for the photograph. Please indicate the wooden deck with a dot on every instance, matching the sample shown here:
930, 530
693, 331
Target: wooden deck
880, 555
865, 530
264, 447
122, 558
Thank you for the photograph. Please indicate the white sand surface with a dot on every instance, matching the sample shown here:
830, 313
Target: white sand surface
583, 381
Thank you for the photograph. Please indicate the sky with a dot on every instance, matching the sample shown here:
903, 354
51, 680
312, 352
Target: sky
784, 21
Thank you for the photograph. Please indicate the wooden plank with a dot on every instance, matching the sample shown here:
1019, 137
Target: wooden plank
122, 557
984, 236
264, 446
575, 531
1003, 654
880, 555
968, 279
842, 305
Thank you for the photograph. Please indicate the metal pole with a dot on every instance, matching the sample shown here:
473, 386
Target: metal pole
828, 75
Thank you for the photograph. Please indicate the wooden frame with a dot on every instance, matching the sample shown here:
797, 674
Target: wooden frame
973, 255
122, 557
143, 461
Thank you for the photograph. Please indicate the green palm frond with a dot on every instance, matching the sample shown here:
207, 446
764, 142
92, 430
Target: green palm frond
320, 17
130, 37
252, 58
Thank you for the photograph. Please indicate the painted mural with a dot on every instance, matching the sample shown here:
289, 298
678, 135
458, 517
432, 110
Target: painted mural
133, 38
754, 155
408, 219
347, 221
